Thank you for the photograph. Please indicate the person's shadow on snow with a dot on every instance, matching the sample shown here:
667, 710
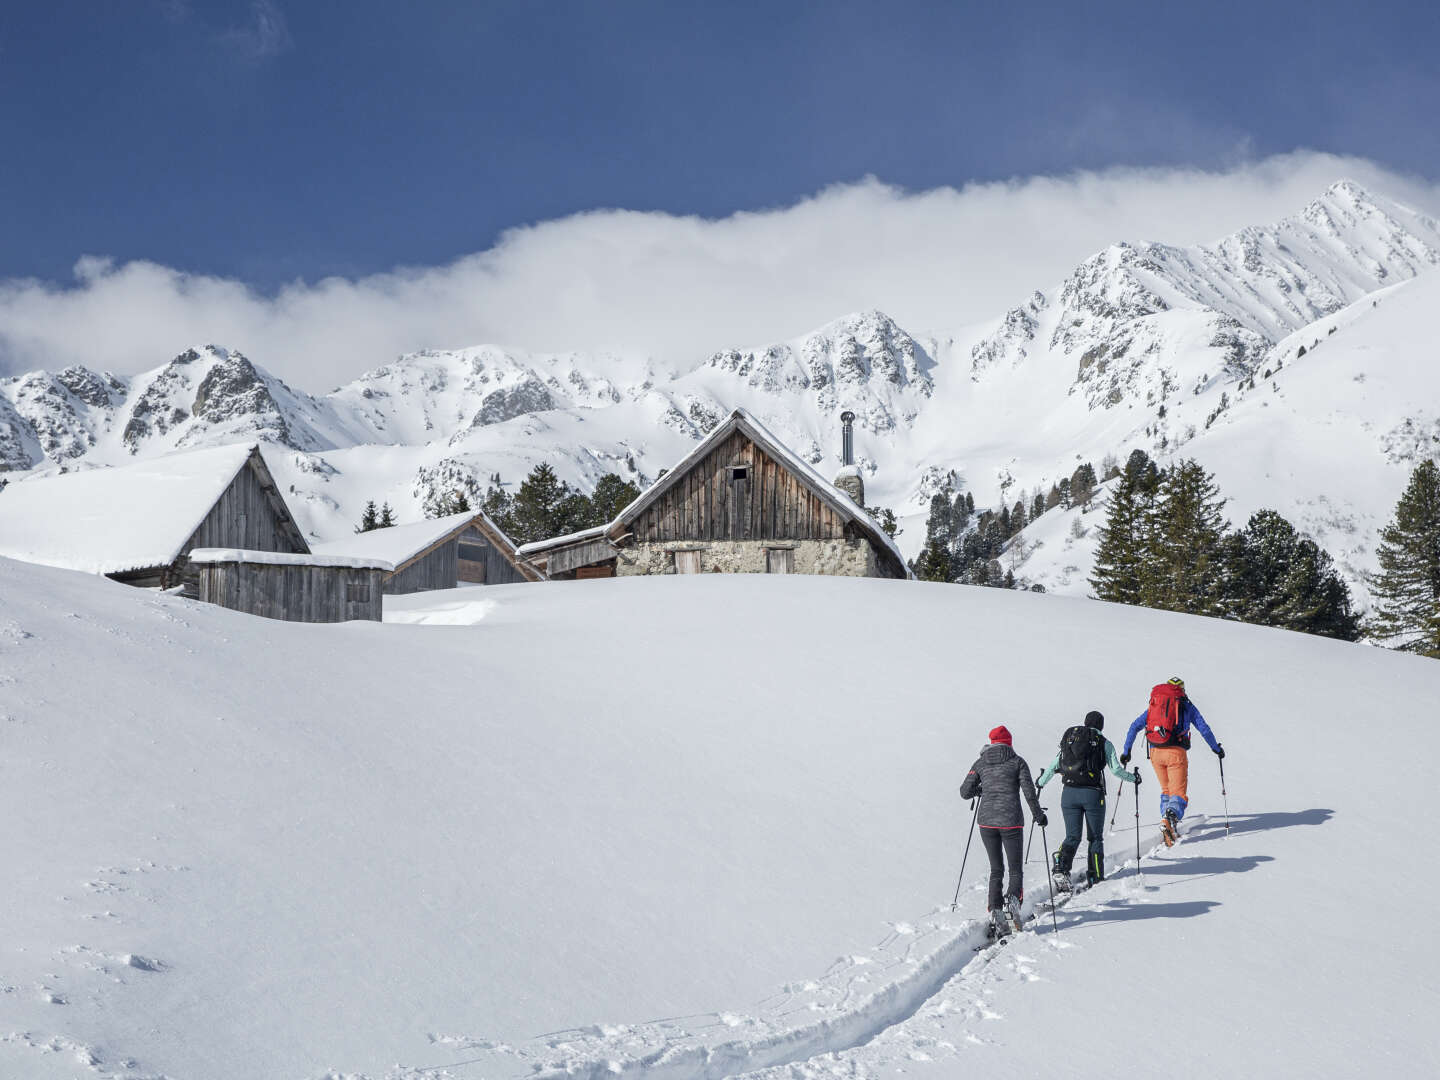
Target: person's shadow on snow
1121, 911
1280, 819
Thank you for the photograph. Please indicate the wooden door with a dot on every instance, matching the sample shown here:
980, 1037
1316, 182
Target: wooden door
779, 561
687, 562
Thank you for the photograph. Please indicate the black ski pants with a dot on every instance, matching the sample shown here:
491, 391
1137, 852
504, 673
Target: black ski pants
1083, 805
1010, 842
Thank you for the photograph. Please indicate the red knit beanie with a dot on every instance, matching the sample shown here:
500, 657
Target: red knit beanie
1000, 734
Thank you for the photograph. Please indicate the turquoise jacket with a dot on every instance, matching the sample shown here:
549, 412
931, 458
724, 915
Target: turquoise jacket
1110, 759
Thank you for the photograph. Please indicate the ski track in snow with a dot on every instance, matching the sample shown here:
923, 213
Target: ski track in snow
902, 997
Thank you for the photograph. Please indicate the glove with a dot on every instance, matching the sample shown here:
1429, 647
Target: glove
1124, 759
1041, 819
1220, 752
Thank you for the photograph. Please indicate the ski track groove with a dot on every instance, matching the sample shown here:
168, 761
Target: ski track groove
967, 950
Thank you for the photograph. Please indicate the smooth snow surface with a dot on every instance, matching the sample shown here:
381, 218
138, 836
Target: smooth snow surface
681, 827
104, 521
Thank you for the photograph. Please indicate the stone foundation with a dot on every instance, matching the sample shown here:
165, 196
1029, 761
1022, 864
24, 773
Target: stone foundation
844, 558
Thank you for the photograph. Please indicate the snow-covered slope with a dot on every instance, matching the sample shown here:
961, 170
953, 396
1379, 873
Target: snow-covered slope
1326, 431
1144, 344
237, 848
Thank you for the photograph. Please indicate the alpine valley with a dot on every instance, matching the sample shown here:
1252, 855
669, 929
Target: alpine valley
1294, 360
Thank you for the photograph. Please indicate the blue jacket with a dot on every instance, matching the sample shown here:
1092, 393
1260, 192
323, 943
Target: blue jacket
1189, 715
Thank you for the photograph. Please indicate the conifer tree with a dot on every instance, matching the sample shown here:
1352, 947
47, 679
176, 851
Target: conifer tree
370, 519
387, 517
960, 516
540, 509
498, 504
1407, 588
1185, 570
612, 494
1124, 546
933, 562
1018, 518
1038, 507
1082, 485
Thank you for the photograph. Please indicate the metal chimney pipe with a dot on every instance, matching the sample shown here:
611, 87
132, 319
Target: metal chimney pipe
847, 438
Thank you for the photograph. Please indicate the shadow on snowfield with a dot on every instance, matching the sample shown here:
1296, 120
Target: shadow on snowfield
1208, 865
1243, 823
1121, 911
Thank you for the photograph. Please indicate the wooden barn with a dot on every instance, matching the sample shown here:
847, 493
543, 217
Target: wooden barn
740, 502
440, 553
138, 523
295, 588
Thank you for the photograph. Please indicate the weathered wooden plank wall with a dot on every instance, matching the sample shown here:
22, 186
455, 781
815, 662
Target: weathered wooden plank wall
438, 569
244, 517
487, 564
707, 504
320, 594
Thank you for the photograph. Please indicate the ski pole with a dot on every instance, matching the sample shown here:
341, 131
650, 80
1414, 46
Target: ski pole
1048, 881
1116, 814
1224, 796
973, 817
1030, 845
1138, 871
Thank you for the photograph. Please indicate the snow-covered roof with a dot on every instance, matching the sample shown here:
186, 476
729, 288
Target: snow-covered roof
285, 558
106, 521
399, 544
593, 533
744, 421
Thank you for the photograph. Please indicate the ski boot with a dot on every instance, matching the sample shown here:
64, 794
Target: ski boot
999, 927
1012, 913
1060, 877
1170, 828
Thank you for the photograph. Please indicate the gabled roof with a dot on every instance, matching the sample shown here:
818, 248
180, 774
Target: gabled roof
129, 517
401, 545
756, 432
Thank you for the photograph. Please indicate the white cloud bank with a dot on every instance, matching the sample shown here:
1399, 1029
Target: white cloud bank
673, 287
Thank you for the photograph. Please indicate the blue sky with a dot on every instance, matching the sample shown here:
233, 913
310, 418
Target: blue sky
283, 139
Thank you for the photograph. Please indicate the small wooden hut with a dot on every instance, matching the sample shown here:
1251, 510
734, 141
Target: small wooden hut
138, 523
295, 588
740, 502
439, 553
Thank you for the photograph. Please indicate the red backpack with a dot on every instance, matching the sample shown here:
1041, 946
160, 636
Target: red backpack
1162, 722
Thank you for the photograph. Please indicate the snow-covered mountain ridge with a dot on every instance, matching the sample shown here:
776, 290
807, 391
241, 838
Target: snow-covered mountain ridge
1143, 344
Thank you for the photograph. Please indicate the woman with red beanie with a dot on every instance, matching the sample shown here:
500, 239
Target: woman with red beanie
999, 776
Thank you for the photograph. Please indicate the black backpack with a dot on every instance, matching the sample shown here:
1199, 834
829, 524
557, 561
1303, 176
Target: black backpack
1082, 757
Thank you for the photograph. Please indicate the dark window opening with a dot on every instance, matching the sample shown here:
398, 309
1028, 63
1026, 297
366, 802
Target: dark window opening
739, 472
357, 594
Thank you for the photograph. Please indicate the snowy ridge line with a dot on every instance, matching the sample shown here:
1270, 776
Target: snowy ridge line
967, 949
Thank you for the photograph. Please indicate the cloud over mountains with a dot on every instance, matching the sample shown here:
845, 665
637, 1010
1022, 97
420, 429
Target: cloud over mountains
671, 286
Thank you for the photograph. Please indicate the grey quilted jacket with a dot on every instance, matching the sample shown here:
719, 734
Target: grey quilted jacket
998, 776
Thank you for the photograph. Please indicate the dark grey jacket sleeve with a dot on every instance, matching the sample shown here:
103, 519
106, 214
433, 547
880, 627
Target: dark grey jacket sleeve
1027, 787
971, 787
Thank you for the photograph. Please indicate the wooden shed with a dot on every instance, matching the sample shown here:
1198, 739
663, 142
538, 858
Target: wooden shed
740, 502
295, 588
138, 523
439, 553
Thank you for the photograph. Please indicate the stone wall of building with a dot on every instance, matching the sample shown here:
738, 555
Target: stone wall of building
845, 558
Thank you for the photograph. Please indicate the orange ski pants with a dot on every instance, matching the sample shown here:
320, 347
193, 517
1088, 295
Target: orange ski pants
1172, 769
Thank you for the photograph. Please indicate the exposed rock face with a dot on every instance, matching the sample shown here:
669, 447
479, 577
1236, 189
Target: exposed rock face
528, 396
19, 448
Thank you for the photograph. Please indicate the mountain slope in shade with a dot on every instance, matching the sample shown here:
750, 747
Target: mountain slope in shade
1142, 345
